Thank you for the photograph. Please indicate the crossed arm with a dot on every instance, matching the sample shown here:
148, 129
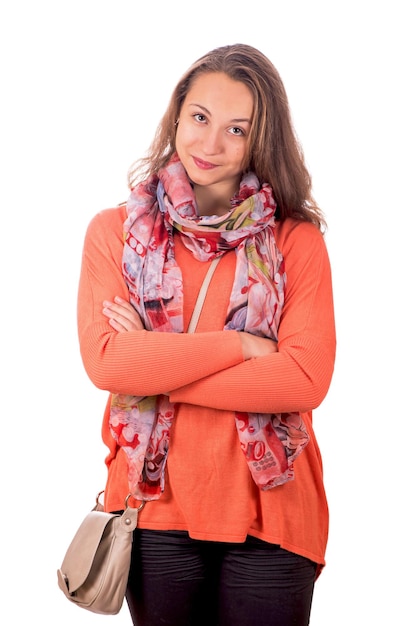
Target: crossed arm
122, 317
228, 370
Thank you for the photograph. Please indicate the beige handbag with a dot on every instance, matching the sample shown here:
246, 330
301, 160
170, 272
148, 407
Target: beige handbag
95, 569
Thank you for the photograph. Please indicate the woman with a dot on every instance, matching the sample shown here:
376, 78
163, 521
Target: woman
213, 428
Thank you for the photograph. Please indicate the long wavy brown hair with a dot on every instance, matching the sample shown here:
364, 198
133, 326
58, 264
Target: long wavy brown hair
274, 153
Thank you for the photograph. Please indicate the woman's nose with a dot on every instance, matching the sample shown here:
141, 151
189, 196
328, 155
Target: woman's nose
212, 143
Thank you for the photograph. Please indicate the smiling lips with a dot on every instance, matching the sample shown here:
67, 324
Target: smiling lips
203, 165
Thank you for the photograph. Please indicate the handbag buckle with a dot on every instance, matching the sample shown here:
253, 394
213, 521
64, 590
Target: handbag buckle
139, 508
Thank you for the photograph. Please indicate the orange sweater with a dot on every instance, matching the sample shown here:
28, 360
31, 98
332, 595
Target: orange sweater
209, 491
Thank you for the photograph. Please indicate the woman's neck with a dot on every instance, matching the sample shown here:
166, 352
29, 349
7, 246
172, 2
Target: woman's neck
213, 201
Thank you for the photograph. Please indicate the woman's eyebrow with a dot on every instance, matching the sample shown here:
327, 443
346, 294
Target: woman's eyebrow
235, 119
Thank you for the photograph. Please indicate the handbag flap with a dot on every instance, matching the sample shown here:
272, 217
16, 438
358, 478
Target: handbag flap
79, 557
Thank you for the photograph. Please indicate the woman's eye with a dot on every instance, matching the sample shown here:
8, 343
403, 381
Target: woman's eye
236, 131
199, 117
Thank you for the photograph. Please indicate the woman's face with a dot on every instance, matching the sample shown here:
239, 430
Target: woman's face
212, 134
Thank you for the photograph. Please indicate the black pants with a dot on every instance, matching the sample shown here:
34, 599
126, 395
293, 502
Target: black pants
178, 581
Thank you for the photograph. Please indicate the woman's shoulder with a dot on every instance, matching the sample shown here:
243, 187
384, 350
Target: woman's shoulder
291, 233
111, 218
107, 221
105, 231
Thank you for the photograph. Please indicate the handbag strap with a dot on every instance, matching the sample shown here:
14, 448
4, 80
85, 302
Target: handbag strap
202, 295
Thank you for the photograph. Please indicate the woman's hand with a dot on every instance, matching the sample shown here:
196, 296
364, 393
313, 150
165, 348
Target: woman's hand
122, 315
253, 346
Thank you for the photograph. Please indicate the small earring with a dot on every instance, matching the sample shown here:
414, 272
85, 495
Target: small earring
176, 123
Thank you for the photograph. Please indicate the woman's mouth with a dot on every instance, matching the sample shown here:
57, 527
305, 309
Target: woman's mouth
203, 165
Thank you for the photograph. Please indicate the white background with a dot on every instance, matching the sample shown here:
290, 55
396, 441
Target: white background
84, 84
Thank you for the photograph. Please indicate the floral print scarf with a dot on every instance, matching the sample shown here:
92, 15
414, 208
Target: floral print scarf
157, 208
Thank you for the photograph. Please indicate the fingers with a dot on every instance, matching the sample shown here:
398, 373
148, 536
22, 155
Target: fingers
121, 315
254, 346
